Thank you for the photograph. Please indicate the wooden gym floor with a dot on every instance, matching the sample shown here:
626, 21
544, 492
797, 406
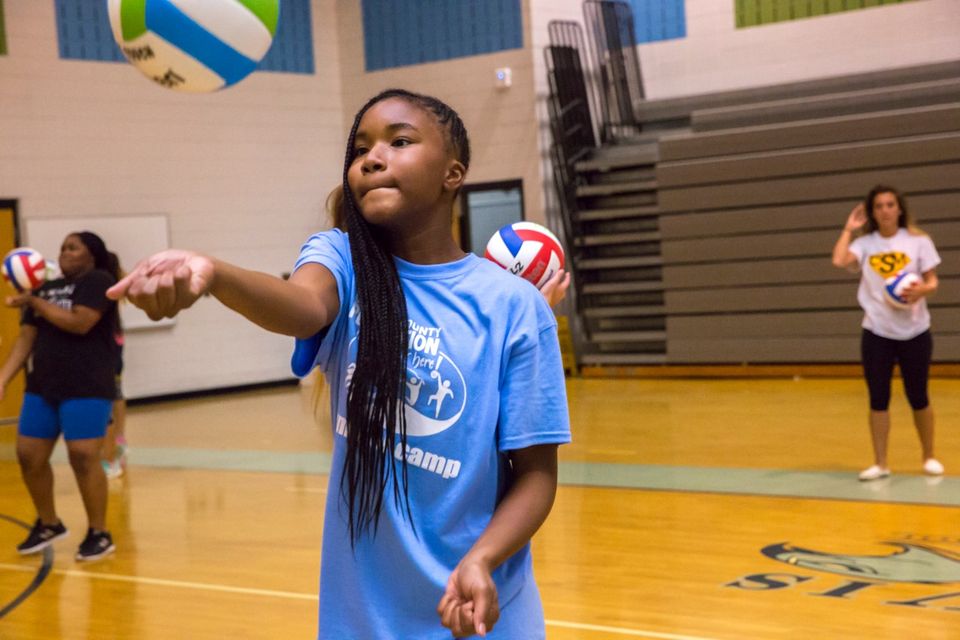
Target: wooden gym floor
688, 510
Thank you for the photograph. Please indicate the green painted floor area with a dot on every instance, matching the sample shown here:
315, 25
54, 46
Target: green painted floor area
835, 485
831, 485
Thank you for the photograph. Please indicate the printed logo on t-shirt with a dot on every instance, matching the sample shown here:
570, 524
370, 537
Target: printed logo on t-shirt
889, 263
60, 296
436, 391
435, 395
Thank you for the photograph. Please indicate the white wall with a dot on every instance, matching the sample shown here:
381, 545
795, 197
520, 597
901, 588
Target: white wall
716, 56
242, 174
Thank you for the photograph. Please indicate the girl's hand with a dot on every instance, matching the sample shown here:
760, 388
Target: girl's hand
19, 300
857, 218
555, 289
166, 283
469, 606
915, 292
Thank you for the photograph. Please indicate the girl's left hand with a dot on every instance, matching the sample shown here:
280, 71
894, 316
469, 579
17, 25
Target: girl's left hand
914, 292
555, 289
166, 283
19, 300
470, 605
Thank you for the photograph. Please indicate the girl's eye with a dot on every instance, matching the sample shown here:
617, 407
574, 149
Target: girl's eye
401, 142
359, 151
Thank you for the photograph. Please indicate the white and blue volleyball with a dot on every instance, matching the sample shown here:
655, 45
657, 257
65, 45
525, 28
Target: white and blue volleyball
528, 250
896, 285
194, 46
24, 268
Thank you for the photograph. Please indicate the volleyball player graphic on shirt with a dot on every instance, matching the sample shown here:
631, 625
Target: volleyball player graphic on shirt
440, 396
443, 390
436, 391
414, 384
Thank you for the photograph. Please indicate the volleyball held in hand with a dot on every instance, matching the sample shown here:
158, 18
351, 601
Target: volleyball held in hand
195, 46
528, 250
25, 269
896, 285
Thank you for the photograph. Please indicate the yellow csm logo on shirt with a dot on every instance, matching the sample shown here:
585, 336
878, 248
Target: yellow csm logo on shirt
887, 264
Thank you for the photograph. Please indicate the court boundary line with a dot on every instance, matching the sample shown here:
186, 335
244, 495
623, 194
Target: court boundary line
293, 595
623, 631
182, 584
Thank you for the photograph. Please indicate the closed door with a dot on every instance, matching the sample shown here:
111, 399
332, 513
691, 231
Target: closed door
9, 320
485, 208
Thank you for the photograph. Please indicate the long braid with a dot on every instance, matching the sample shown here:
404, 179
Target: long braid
375, 399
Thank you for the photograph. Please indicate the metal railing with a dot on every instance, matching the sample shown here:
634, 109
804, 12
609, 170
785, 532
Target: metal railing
572, 125
610, 29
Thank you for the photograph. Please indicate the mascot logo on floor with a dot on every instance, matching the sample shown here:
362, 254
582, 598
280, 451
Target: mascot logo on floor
911, 563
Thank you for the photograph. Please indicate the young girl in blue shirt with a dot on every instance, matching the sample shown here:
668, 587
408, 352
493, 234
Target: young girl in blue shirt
430, 520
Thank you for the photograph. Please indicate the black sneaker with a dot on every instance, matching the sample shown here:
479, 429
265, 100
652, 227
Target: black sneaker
96, 545
41, 536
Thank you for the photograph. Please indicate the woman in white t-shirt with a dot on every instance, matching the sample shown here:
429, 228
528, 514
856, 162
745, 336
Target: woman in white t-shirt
892, 334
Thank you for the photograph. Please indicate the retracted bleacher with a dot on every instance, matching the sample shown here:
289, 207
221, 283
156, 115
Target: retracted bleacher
707, 237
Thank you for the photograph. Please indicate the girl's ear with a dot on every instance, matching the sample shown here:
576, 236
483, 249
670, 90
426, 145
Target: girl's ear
338, 217
456, 174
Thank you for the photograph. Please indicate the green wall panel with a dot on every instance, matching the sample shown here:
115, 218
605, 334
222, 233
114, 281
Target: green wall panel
751, 13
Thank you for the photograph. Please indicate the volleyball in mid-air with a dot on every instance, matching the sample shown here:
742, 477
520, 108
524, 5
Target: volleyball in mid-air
895, 286
194, 46
24, 268
528, 250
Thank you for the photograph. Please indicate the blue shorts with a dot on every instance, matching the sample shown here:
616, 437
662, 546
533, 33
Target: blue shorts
77, 418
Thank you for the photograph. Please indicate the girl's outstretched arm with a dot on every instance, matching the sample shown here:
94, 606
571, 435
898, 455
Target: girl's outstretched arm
78, 320
168, 282
469, 606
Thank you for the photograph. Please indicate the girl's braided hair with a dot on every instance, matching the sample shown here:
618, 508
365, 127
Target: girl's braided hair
375, 399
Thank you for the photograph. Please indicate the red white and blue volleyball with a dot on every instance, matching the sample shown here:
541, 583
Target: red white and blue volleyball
896, 285
528, 250
25, 269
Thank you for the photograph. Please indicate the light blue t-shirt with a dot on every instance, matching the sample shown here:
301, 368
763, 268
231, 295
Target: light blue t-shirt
484, 377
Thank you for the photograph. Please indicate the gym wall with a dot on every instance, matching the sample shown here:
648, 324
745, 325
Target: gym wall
717, 56
241, 174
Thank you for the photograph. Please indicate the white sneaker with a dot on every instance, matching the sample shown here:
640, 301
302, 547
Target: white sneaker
874, 473
932, 467
112, 469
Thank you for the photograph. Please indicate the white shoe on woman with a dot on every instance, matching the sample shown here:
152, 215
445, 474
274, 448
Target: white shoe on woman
932, 467
874, 473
